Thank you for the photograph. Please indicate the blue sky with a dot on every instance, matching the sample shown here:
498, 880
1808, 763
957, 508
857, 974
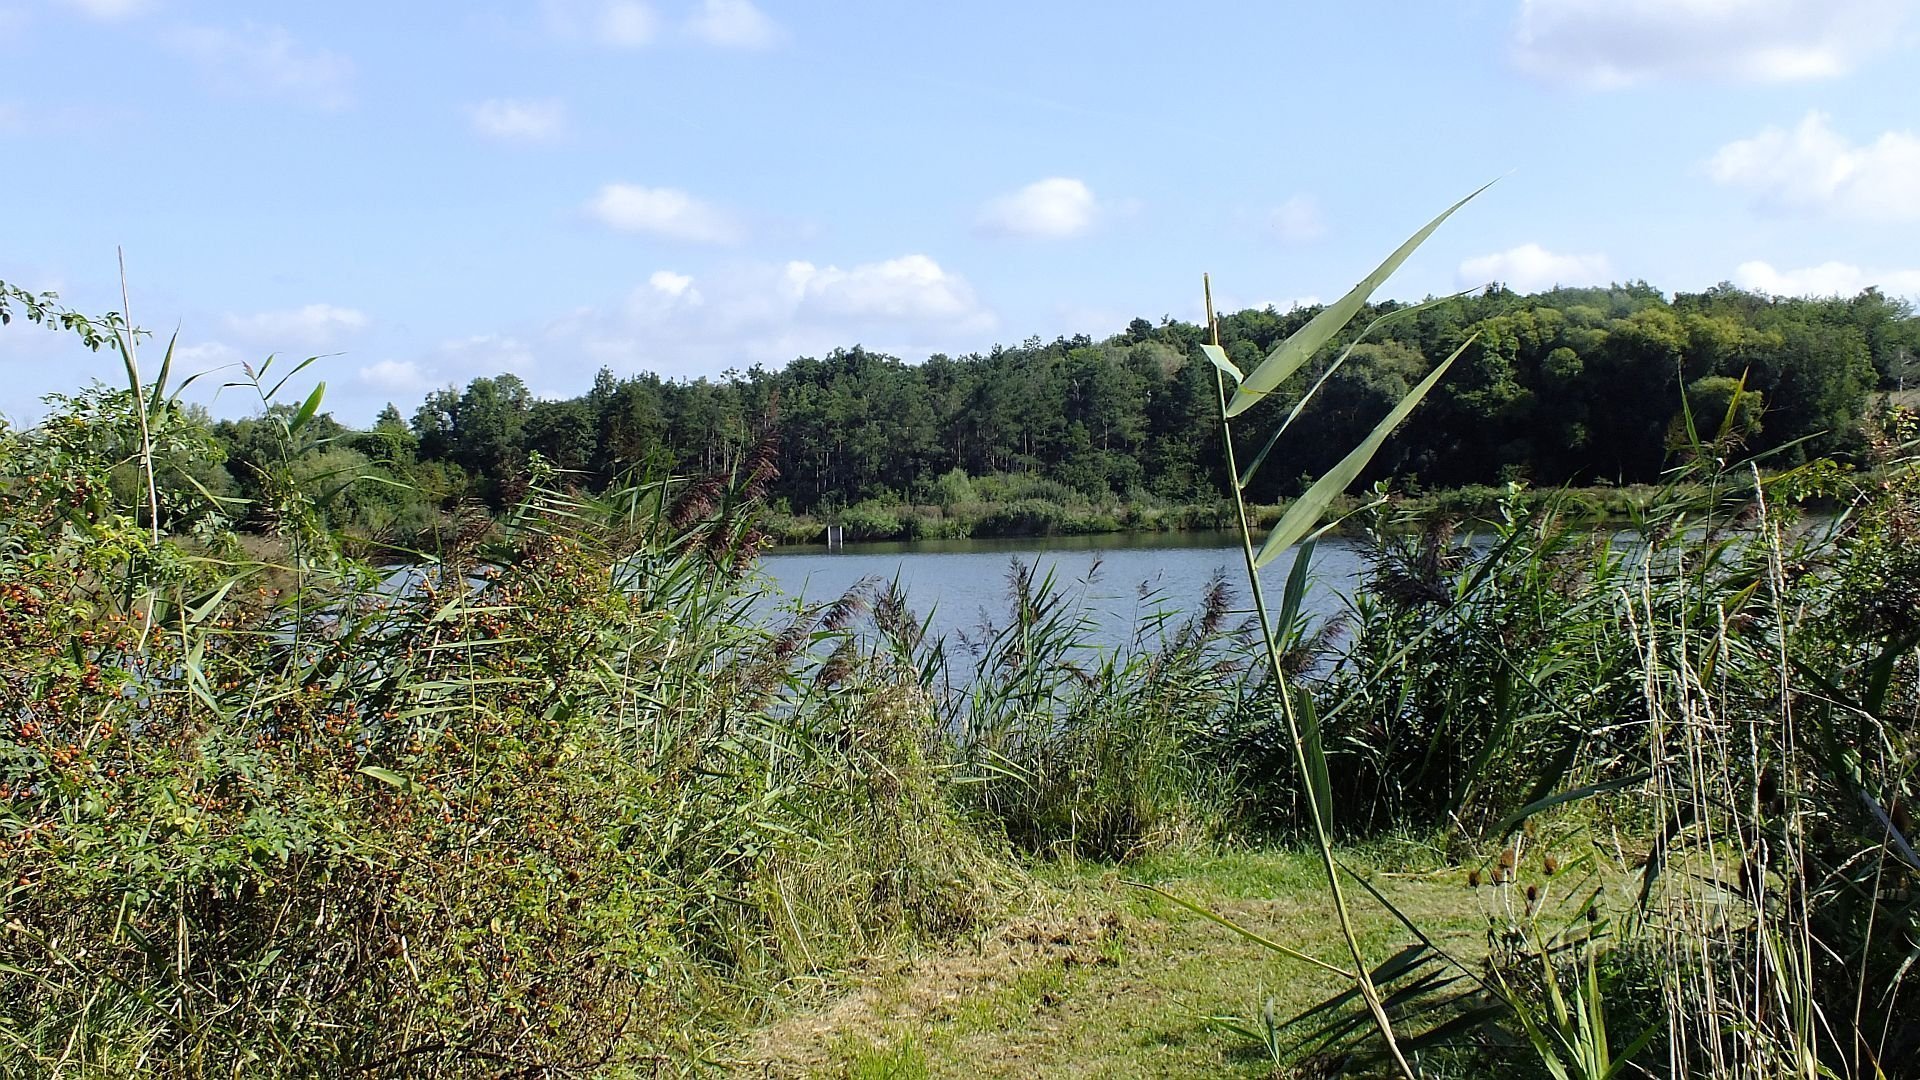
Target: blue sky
430, 192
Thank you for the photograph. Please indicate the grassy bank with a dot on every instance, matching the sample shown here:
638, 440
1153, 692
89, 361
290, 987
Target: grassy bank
1097, 977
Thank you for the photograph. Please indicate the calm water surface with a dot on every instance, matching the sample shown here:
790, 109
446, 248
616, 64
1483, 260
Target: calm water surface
1119, 577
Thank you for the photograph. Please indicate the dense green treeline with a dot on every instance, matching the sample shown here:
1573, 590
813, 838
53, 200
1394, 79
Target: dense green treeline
1577, 386
1570, 386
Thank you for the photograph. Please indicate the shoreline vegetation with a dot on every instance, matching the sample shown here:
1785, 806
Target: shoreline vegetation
1035, 518
1588, 389
1530, 805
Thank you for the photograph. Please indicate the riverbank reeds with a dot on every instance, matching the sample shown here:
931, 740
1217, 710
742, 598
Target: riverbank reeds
1695, 677
562, 796
538, 805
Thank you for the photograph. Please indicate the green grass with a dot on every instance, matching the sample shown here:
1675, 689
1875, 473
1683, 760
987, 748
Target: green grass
1133, 1001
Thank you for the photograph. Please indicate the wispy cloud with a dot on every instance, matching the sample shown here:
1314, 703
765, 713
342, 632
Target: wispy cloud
733, 24
1814, 168
681, 324
251, 59
667, 212
1055, 208
912, 287
311, 326
110, 10
397, 377
1530, 268
678, 286
1827, 279
1297, 220
620, 24
510, 120
1613, 43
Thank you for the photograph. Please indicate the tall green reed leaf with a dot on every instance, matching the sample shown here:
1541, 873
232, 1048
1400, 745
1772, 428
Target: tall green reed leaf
1309, 753
1305, 512
1294, 352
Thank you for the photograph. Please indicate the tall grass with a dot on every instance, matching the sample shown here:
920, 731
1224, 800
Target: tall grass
559, 795
536, 805
1720, 704
1073, 749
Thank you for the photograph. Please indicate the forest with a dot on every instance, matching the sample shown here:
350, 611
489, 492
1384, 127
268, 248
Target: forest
1579, 387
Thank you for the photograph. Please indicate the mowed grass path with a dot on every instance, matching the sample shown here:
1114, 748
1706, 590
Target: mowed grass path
1100, 978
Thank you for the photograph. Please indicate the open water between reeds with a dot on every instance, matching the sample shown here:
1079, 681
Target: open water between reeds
1119, 578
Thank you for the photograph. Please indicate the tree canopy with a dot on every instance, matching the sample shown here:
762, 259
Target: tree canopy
1569, 386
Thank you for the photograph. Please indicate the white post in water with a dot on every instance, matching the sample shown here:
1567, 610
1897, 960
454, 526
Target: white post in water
834, 537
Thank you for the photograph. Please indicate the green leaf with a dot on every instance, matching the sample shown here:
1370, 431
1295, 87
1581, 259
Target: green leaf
160, 381
1246, 476
1306, 511
1295, 596
1264, 942
387, 776
297, 369
307, 410
1300, 347
1219, 357
1315, 753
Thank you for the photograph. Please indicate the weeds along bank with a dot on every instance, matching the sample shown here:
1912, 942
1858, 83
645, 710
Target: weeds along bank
1685, 767
260, 816
571, 805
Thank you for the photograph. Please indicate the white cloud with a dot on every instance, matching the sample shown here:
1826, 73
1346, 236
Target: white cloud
460, 360
109, 10
1827, 279
1053, 208
667, 212
202, 356
733, 24
677, 286
621, 24
251, 59
628, 23
396, 377
908, 288
1814, 167
302, 327
1530, 268
1611, 43
769, 313
519, 120
1297, 220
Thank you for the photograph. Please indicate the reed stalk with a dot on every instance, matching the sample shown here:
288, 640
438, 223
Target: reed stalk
1312, 792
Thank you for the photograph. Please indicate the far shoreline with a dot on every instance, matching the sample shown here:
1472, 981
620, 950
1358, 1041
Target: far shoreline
1033, 519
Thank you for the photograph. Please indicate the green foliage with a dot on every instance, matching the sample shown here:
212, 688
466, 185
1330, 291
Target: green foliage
954, 488
522, 808
1570, 386
1100, 753
1730, 682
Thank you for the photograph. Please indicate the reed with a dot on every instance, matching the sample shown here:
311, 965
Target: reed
547, 800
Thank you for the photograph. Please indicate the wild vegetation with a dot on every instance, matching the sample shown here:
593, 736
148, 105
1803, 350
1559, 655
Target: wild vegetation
563, 795
1578, 387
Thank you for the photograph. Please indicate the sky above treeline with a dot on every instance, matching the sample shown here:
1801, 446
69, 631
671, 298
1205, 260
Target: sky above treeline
429, 192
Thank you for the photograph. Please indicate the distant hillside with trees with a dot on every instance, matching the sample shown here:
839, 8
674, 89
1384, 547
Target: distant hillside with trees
1570, 386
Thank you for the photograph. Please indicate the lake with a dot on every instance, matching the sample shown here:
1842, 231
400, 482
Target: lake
964, 582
